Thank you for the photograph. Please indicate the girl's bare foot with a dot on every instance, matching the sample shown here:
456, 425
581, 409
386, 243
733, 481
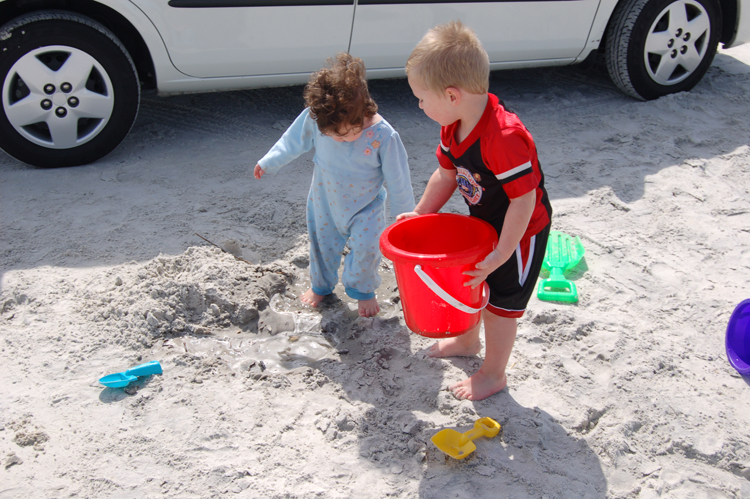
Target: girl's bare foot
368, 308
478, 387
455, 347
311, 298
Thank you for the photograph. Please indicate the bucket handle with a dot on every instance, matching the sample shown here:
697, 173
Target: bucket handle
448, 298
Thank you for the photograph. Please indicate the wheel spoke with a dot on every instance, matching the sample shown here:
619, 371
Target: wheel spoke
26, 112
691, 59
94, 105
699, 26
64, 131
76, 70
34, 73
677, 17
665, 69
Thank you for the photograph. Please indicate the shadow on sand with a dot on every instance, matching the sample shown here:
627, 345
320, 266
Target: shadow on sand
403, 402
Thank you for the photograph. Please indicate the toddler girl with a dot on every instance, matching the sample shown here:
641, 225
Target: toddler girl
357, 152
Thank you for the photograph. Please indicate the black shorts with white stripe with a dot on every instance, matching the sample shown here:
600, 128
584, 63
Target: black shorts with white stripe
513, 283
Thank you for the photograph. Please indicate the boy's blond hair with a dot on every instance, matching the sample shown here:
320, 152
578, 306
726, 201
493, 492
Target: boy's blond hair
450, 55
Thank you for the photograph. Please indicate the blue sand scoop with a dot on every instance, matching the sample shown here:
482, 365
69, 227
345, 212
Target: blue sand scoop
119, 380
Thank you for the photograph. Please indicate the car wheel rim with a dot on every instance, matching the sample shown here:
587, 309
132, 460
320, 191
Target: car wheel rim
58, 97
677, 42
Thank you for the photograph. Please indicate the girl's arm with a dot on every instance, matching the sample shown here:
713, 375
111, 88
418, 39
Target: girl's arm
394, 164
439, 190
297, 140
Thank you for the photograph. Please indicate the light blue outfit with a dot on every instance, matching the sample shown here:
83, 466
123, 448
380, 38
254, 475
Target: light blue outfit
347, 199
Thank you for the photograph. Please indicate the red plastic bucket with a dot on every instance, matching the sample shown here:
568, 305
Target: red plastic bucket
430, 253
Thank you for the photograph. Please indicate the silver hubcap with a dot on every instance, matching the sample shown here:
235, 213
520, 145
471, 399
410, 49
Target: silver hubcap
677, 42
58, 97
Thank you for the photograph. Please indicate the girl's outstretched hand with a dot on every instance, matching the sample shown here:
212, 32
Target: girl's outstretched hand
483, 269
408, 214
258, 172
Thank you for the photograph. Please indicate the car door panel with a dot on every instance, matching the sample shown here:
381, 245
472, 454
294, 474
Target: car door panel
511, 31
221, 38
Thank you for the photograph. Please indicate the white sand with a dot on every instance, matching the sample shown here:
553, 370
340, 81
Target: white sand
627, 394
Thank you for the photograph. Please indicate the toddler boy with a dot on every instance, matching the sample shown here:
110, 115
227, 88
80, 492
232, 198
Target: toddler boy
489, 155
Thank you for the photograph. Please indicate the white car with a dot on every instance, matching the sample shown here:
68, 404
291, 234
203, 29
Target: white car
72, 71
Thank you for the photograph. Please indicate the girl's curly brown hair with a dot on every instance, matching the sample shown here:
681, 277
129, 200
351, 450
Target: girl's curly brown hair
337, 95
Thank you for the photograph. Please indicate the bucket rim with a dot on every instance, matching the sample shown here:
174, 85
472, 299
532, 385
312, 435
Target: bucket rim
469, 255
731, 336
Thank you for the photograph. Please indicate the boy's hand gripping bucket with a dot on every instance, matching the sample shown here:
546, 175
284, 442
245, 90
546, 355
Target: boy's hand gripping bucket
430, 254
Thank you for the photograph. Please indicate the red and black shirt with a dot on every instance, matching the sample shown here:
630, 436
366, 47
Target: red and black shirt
496, 163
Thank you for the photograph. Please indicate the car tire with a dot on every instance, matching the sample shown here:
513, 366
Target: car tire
659, 47
70, 91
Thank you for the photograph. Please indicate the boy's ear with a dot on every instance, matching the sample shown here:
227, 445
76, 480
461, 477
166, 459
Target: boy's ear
453, 95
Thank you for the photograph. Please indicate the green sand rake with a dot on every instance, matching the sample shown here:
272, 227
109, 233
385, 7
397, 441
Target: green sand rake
563, 253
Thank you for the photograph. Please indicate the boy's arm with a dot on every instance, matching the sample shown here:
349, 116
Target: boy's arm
439, 190
297, 140
394, 163
514, 226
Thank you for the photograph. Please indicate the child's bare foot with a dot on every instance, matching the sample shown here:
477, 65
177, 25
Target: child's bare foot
368, 308
478, 387
311, 298
455, 347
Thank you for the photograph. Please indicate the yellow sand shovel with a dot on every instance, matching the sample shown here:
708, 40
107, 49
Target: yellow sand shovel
459, 445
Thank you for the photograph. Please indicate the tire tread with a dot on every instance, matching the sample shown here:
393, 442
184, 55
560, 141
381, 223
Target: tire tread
618, 39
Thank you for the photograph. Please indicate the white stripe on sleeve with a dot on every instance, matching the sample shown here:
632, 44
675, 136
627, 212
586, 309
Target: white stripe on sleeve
510, 173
